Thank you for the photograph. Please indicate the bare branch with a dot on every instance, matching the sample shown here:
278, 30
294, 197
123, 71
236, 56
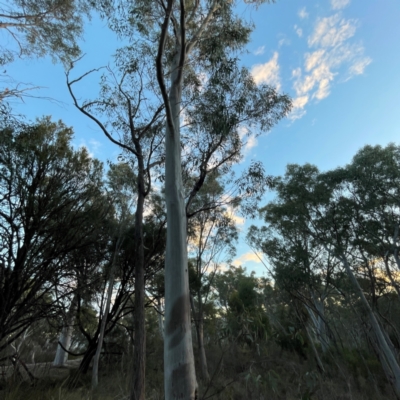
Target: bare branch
160, 75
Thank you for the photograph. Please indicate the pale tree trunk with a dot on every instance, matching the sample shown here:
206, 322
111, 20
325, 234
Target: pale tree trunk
179, 370
395, 248
139, 355
96, 359
199, 324
388, 359
319, 321
66, 335
316, 355
160, 318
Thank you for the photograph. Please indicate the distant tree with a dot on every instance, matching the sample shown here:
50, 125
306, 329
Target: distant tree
339, 211
212, 235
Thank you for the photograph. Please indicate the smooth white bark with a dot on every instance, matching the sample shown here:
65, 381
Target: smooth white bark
179, 371
66, 336
96, 359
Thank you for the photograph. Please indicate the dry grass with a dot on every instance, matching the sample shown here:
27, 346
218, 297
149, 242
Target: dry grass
237, 374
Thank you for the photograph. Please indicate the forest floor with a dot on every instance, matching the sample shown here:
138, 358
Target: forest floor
39, 370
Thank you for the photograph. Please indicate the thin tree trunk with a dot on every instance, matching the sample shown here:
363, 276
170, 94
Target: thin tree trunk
179, 373
160, 318
95, 371
383, 346
139, 355
66, 335
199, 324
316, 355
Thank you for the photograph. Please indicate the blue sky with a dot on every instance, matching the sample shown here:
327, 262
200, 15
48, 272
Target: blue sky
338, 59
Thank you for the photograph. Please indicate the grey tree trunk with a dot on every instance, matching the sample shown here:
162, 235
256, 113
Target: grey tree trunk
160, 318
319, 321
316, 355
199, 324
66, 335
139, 355
96, 359
179, 373
383, 347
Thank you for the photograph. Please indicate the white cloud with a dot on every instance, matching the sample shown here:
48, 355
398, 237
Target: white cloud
339, 4
303, 13
358, 67
92, 147
298, 110
250, 143
250, 256
243, 130
332, 53
259, 51
268, 73
332, 31
284, 41
299, 31
237, 219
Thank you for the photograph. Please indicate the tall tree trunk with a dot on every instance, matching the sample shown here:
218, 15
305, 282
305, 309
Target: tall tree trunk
319, 321
95, 370
315, 352
179, 370
139, 355
382, 345
66, 335
160, 318
199, 324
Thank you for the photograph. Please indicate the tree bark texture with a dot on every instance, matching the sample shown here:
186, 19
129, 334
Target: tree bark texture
179, 378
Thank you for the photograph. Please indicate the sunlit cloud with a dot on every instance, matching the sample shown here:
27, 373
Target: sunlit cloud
339, 4
259, 51
331, 54
237, 219
92, 147
268, 73
303, 13
298, 110
249, 139
358, 68
250, 143
332, 31
247, 257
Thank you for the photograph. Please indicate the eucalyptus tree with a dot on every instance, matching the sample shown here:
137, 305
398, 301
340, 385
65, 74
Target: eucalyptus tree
240, 296
211, 236
130, 116
320, 206
192, 38
372, 181
299, 265
39, 28
50, 194
121, 181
